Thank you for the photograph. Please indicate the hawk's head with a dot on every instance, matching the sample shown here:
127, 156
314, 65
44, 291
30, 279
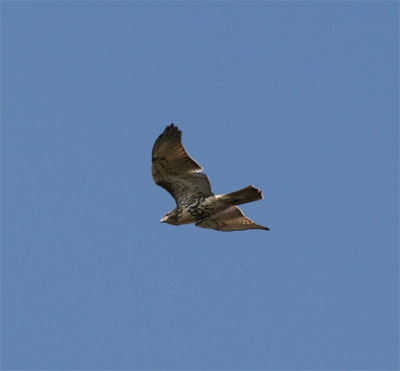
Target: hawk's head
170, 218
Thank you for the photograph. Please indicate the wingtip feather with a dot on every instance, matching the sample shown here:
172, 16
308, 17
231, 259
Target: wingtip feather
172, 129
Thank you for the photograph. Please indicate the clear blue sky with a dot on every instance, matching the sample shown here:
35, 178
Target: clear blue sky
297, 98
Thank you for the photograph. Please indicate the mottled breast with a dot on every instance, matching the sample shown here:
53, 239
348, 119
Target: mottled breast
196, 209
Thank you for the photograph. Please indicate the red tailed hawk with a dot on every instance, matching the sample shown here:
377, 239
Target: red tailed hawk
174, 170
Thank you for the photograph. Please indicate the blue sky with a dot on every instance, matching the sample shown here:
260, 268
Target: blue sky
297, 98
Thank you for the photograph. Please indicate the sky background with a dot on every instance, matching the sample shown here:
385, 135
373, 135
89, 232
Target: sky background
297, 98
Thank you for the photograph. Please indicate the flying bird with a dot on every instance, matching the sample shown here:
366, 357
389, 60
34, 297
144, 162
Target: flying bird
174, 170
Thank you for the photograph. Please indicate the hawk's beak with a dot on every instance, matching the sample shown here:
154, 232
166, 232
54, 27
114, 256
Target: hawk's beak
163, 219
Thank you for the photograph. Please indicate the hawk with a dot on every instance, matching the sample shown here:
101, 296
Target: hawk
174, 170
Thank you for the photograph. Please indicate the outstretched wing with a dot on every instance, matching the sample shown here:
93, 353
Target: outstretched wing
231, 219
174, 170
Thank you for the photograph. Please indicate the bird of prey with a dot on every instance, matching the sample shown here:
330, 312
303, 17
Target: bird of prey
174, 170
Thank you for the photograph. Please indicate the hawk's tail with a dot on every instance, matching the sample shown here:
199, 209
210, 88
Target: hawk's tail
243, 196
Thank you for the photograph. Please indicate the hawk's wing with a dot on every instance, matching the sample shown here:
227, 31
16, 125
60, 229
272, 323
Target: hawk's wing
231, 219
174, 170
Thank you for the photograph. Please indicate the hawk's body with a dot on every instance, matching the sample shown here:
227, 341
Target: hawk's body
174, 170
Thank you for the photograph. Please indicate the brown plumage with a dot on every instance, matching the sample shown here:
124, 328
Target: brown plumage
178, 173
